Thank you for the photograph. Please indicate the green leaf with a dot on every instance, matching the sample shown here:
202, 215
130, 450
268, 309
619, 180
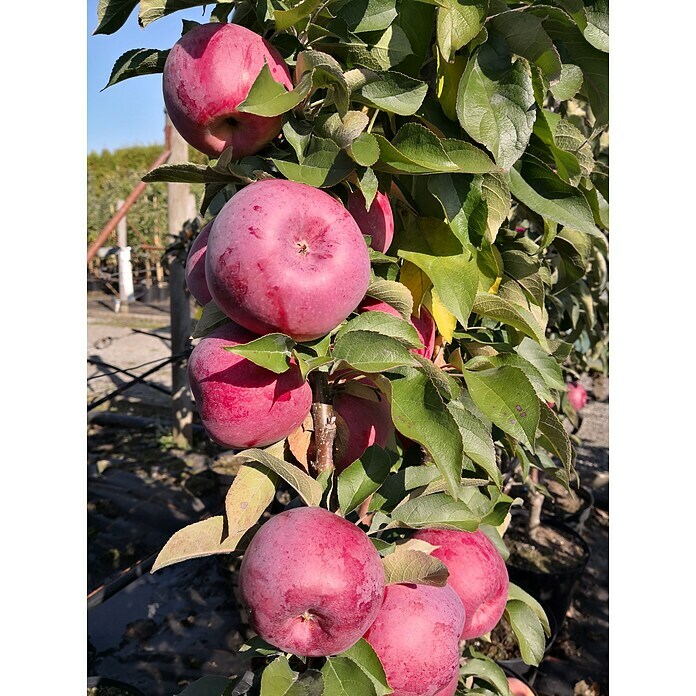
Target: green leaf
528, 631
546, 194
596, 30
458, 22
325, 164
416, 567
505, 395
366, 658
369, 15
496, 106
272, 351
362, 478
267, 97
211, 317
397, 485
487, 670
417, 150
284, 19
386, 325
554, 436
325, 71
309, 489
355, 671
395, 294
525, 35
367, 180
298, 134
343, 131
515, 592
371, 352
439, 511
394, 93
419, 413
546, 364
279, 679
446, 385
112, 15
382, 51
208, 686
512, 314
455, 279
365, 151
151, 10
569, 84
477, 440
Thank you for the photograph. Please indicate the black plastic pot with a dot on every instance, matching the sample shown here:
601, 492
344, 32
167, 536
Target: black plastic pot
516, 675
554, 589
112, 687
519, 666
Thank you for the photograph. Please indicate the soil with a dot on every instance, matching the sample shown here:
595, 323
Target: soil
549, 550
502, 645
563, 503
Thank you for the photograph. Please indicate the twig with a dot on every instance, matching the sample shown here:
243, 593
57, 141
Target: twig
324, 424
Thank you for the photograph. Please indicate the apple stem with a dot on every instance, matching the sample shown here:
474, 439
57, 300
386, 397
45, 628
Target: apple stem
324, 423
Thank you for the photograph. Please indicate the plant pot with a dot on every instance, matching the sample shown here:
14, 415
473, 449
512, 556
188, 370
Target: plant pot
103, 686
550, 581
512, 674
576, 518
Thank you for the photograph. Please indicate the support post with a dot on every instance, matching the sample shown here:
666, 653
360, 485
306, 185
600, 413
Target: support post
181, 206
125, 269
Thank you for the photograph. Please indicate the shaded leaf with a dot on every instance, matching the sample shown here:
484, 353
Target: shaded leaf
412, 566
112, 15
528, 631
362, 478
395, 294
272, 352
139, 61
371, 352
458, 22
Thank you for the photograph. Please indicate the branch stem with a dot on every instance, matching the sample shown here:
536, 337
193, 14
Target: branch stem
324, 423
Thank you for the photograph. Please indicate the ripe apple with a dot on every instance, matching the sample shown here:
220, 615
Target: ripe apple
476, 571
240, 403
519, 688
423, 324
369, 423
195, 267
416, 637
378, 221
313, 582
286, 257
208, 72
451, 688
577, 395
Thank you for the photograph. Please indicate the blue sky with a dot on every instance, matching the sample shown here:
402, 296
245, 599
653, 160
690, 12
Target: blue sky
131, 112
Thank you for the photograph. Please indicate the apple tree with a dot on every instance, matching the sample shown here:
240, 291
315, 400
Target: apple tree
403, 253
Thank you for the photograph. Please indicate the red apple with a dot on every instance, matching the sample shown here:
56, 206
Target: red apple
416, 637
195, 267
286, 257
577, 395
423, 324
476, 571
378, 221
369, 423
519, 688
313, 582
240, 403
208, 72
451, 688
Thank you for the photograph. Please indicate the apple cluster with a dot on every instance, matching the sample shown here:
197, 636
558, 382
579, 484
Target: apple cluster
285, 257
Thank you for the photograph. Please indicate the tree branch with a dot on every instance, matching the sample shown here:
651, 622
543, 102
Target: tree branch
324, 423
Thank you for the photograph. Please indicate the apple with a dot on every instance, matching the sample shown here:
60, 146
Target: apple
286, 257
476, 571
451, 688
195, 267
577, 395
242, 404
368, 421
208, 72
519, 688
377, 222
416, 637
312, 581
423, 324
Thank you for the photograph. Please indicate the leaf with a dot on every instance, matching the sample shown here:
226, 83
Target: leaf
267, 97
355, 671
397, 485
448, 76
272, 352
445, 321
512, 314
496, 107
363, 655
394, 93
506, 397
446, 385
439, 511
541, 191
112, 15
458, 22
367, 181
596, 30
487, 670
324, 165
284, 19
369, 15
455, 278
139, 61
151, 10
365, 151
382, 52
395, 294
384, 324
476, 439
357, 482
528, 631
554, 436
525, 35
546, 364
569, 83
419, 413
211, 317
208, 686
343, 131
417, 567
309, 489
279, 679
325, 71
417, 150
515, 592
370, 352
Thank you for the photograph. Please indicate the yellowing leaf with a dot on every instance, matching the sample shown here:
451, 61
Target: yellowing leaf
444, 319
416, 281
